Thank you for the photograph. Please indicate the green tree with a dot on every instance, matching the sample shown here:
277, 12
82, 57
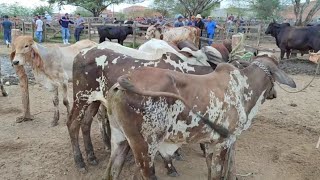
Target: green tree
14, 10
40, 10
164, 7
83, 12
266, 9
194, 7
300, 7
94, 6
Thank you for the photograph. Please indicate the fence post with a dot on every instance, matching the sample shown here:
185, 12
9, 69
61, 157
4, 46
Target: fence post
23, 28
44, 30
259, 34
32, 27
134, 34
89, 29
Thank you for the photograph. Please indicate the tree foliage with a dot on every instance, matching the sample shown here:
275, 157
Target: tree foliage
40, 10
83, 12
184, 7
14, 10
94, 6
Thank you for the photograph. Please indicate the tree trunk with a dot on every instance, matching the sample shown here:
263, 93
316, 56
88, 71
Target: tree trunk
298, 10
311, 13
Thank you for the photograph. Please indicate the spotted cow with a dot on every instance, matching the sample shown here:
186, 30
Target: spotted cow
96, 69
152, 109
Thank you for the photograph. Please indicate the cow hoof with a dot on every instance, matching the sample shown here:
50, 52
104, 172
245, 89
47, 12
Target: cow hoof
173, 174
179, 157
4, 94
22, 119
93, 162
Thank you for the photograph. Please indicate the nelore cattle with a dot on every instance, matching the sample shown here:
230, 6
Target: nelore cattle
98, 68
114, 32
52, 68
174, 34
299, 38
153, 109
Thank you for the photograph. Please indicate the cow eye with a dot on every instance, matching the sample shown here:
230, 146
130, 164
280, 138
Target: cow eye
26, 46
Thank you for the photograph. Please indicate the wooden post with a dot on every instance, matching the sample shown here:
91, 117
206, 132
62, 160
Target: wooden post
32, 27
259, 34
89, 29
236, 39
23, 28
134, 27
44, 32
15, 33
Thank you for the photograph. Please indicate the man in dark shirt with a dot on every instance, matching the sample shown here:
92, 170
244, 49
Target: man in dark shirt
7, 25
64, 22
200, 25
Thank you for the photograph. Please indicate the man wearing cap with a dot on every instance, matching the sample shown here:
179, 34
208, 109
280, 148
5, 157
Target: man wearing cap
211, 26
179, 22
199, 23
64, 22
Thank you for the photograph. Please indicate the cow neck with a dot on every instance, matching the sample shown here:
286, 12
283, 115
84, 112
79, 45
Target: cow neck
258, 81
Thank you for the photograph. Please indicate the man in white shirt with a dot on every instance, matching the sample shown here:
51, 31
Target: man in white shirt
39, 29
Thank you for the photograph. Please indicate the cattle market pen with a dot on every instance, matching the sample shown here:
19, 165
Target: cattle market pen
254, 33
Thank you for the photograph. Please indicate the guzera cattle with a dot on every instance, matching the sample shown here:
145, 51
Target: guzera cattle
120, 33
154, 110
299, 38
95, 70
52, 67
174, 34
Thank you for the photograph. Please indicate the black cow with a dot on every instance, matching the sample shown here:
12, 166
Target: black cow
299, 38
114, 32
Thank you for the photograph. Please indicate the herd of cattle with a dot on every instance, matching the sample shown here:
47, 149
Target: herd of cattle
155, 98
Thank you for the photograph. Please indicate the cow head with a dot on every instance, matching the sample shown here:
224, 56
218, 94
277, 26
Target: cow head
24, 50
228, 44
269, 64
154, 31
129, 30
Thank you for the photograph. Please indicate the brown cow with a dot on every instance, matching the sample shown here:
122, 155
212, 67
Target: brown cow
154, 110
225, 49
314, 57
52, 67
174, 34
95, 70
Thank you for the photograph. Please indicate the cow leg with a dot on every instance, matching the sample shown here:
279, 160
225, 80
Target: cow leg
167, 150
215, 163
117, 160
55, 101
73, 124
288, 52
65, 97
86, 131
204, 148
143, 158
23, 82
282, 54
104, 125
4, 93
229, 169
102, 39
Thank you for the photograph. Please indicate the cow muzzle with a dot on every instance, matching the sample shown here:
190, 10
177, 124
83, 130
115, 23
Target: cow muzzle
272, 94
15, 63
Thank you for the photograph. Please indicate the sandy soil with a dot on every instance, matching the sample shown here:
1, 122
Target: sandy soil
279, 145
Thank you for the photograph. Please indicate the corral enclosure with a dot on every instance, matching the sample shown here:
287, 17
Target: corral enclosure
279, 145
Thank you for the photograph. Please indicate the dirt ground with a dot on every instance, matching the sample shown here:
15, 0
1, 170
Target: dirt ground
280, 145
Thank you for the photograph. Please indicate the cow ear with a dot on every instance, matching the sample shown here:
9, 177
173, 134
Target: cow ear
281, 77
37, 60
12, 54
187, 54
161, 36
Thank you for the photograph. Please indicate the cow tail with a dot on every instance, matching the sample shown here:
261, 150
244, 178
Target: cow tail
126, 84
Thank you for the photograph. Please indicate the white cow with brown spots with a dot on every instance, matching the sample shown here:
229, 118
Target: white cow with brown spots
153, 110
52, 67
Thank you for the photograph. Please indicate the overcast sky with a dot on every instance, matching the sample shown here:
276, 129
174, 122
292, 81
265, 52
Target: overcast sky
34, 3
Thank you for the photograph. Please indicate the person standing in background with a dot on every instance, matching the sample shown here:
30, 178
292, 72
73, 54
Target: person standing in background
7, 25
192, 21
79, 26
211, 26
39, 29
179, 22
48, 18
200, 25
64, 22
